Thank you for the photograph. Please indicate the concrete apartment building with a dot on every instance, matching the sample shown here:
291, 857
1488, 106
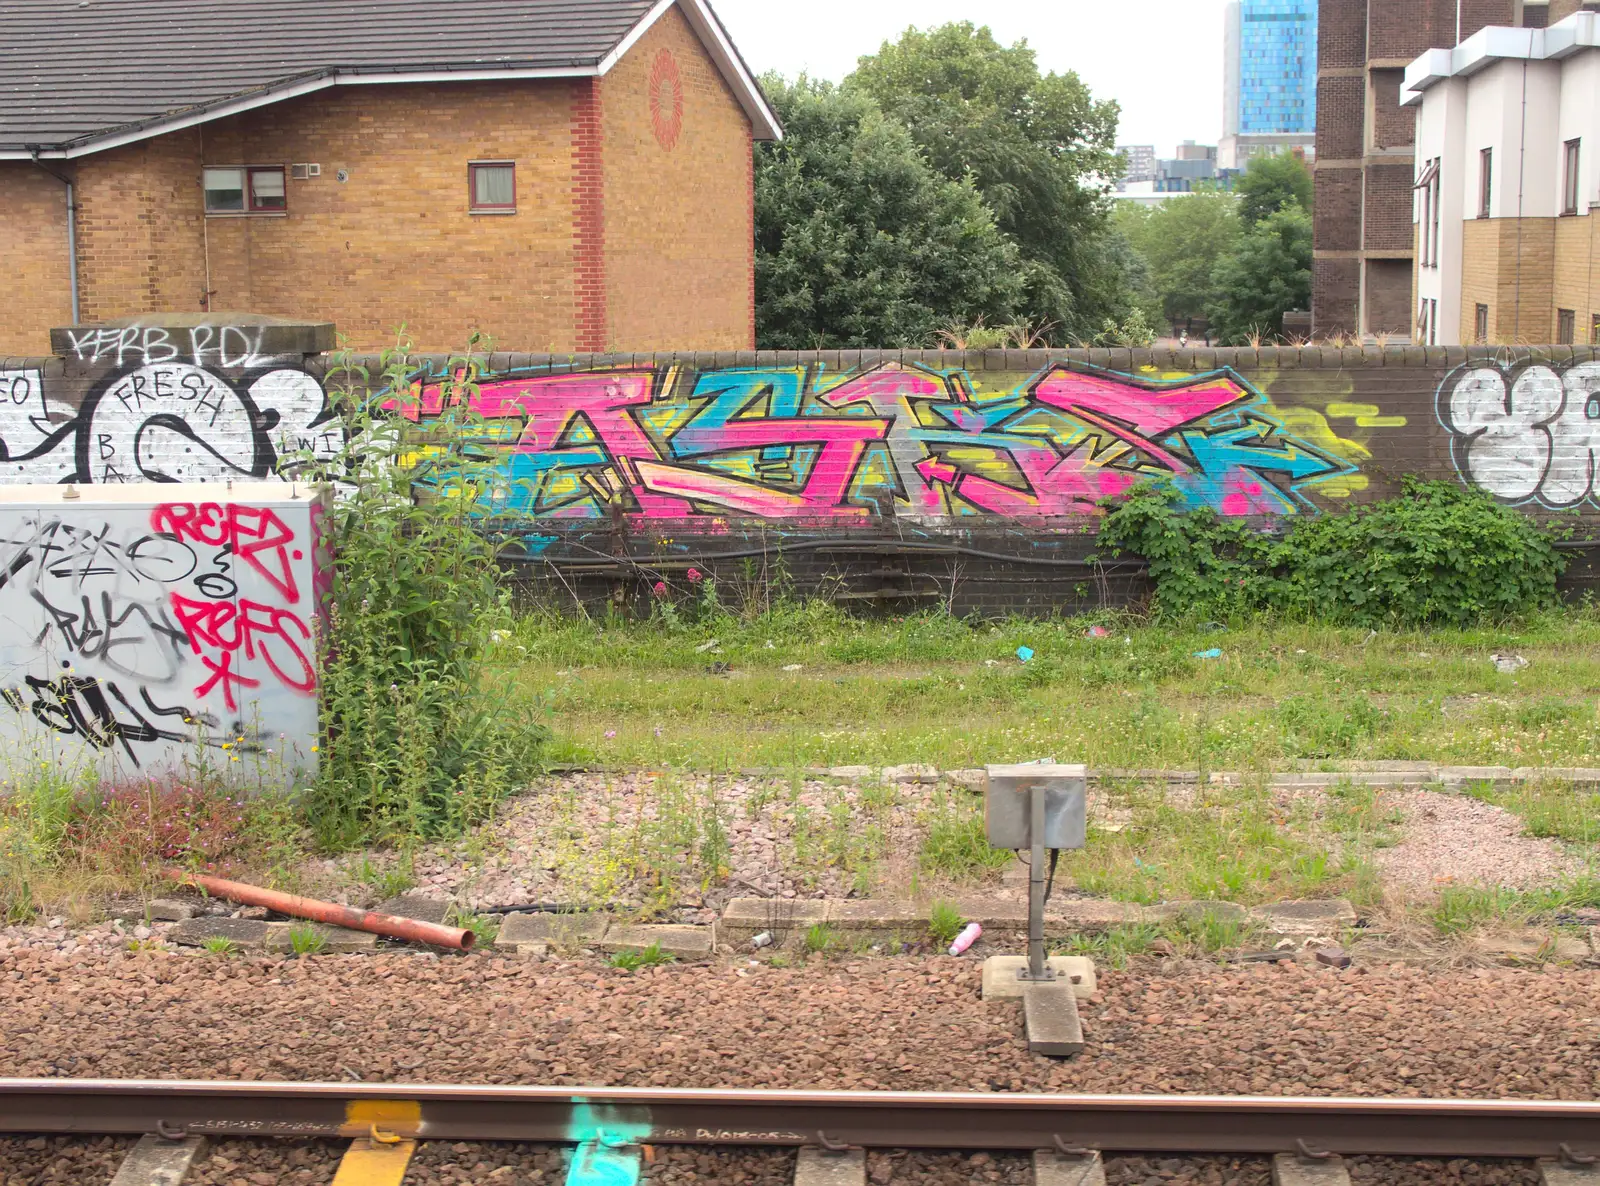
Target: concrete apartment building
559, 176
1269, 102
1508, 127
1365, 157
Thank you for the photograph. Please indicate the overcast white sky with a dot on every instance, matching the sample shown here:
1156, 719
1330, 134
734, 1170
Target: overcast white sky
1160, 59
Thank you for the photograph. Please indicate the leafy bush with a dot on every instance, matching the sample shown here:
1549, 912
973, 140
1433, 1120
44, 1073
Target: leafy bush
414, 745
1439, 553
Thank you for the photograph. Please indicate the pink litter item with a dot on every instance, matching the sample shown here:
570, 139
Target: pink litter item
968, 936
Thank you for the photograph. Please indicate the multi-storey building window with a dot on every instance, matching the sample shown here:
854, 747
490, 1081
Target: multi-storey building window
1566, 326
1480, 325
1569, 177
1485, 180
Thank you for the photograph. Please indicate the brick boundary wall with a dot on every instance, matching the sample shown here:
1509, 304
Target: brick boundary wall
885, 479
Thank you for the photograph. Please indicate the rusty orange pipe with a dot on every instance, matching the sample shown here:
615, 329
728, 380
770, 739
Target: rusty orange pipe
459, 938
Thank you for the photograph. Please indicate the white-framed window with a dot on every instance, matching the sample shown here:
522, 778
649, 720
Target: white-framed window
1571, 152
492, 187
245, 189
1485, 181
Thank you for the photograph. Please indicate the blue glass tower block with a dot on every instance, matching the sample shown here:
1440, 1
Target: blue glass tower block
1278, 66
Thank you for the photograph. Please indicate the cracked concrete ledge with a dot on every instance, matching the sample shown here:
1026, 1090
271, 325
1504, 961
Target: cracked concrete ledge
1306, 774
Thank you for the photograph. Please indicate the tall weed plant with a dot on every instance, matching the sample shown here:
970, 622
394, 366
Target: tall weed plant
1440, 553
415, 745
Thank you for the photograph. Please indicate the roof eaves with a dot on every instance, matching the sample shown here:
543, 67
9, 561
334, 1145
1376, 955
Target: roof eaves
277, 92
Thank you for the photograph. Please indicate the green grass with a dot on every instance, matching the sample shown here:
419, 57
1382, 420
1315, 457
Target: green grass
1549, 809
944, 923
648, 957
220, 945
955, 847
940, 690
820, 937
306, 940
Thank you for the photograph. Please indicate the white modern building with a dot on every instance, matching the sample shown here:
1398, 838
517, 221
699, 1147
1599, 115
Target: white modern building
1507, 242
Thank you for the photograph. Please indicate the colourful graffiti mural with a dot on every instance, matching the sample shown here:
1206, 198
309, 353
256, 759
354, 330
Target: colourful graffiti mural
800, 442
1529, 434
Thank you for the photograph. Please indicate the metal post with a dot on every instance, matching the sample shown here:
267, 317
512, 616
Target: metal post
1038, 970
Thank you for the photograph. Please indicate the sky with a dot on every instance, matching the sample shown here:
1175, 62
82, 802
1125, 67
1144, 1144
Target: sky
1160, 59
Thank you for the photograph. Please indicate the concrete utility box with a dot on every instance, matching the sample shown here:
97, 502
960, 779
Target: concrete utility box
1006, 807
149, 626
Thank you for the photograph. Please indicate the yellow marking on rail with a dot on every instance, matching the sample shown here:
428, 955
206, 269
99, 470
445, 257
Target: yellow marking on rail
402, 1117
371, 1163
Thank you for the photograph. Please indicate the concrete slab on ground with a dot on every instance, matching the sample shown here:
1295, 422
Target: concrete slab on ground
1553, 1173
560, 930
1311, 916
1195, 911
1289, 1170
242, 932
280, 937
157, 1162
1069, 916
690, 943
1000, 981
876, 914
1050, 1016
818, 1167
1052, 1169
174, 909
416, 907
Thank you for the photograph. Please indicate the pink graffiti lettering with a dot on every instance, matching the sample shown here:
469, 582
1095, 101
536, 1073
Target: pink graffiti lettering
275, 636
256, 534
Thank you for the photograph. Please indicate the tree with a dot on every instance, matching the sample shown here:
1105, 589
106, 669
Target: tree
1038, 147
1270, 183
859, 242
1181, 241
1267, 273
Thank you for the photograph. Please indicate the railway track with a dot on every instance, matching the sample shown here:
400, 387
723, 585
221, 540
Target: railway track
608, 1128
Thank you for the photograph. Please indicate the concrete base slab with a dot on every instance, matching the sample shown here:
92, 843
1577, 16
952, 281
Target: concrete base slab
1553, 1173
1000, 981
155, 1162
1052, 1169
558, 930
280, 937
415, 906
1326, 916
1050, 1015
1290, 1170
242, 932
818, 1167
690, 943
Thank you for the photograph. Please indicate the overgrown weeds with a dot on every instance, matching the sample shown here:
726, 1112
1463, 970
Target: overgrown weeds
1439, 553
417, 746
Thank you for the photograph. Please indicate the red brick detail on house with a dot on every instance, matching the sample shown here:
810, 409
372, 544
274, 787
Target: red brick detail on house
750, 192
589, 226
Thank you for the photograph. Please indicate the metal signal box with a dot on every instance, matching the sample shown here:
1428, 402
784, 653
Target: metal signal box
1007, 805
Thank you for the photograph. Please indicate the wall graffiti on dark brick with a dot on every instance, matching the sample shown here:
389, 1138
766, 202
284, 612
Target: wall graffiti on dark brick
1528, 434
902, 441
191, 405
150, 631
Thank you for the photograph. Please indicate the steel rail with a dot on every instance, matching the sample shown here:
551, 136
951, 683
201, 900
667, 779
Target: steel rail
888, 1119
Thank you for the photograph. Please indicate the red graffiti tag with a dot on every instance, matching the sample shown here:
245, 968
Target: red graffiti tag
261, 631
255, 534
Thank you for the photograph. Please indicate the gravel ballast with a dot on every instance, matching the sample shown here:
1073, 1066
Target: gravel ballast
873, 1024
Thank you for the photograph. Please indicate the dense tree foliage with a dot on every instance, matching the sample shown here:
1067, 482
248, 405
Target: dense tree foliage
1270, 183
859, 241
1264, 276
1038, 147
1181, 241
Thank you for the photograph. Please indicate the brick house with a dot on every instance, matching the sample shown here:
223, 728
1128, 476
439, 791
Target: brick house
563, 175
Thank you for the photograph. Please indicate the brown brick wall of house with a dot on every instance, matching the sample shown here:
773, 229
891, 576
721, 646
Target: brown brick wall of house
396, 241
140, 230
1388, 306
1393, 126
1335, 294
1340, 103
589, 227
1386, 218
1337, 216
677, 198
1577, 271
1341, 36
1480, 275
33, 257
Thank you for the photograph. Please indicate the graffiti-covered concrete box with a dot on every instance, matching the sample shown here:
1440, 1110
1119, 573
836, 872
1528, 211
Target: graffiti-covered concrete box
154, 626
